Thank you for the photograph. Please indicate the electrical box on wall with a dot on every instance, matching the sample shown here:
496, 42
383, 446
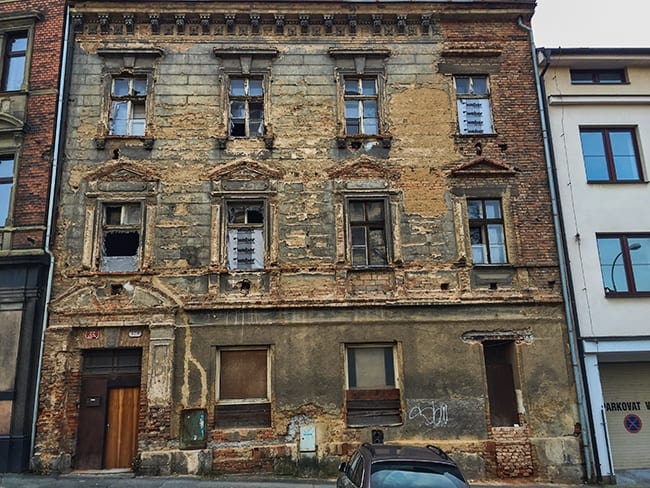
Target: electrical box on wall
308, 438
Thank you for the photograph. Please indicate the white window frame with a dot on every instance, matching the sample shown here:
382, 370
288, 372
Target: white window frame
361, 99
484, 222
247, 99
474, 107
259, 230
131, 101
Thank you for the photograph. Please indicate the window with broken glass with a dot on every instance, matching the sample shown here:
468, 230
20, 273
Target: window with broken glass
486, 231
361, 106
6, 185
121, 237
245, 235
246, 107
128, 106
367, 229
473, 103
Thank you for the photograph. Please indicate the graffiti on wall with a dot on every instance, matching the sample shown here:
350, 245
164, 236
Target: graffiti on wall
430, 412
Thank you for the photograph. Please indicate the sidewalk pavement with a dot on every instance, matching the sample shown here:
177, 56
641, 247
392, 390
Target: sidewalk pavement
128, 480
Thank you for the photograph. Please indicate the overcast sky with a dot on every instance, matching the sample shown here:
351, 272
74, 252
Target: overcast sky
592, 23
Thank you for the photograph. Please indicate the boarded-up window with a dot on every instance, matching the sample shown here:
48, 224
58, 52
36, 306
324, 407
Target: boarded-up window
246, 235
499, 369
243, 389
473, 102
243, 375
372, 398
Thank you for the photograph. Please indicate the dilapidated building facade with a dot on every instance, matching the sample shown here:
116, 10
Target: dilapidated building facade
284, 225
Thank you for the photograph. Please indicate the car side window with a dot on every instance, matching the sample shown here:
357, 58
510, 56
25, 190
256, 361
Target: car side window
356, 470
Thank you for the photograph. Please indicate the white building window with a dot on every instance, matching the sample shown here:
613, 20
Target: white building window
128, 107
245, 234
473, 102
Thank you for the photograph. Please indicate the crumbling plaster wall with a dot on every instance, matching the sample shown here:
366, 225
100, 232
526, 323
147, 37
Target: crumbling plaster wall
439, 298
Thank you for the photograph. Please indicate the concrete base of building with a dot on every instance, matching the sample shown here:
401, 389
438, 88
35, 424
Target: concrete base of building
165, 463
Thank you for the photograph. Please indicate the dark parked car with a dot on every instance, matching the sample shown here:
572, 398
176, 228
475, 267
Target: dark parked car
394, 466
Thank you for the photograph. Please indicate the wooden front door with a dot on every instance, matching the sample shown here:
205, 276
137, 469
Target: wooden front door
121, 427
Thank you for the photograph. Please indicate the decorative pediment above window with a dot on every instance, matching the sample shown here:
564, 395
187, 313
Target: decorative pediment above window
122, 177
100, 301
364, 169
245, 175
9, 123
484, 167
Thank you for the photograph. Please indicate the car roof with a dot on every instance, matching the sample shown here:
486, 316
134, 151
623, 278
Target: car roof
389, 452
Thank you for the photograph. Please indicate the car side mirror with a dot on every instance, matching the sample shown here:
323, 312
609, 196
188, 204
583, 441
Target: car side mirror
342, 467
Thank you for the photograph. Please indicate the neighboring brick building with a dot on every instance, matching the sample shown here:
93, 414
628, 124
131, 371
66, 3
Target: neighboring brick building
31, 33
277, 234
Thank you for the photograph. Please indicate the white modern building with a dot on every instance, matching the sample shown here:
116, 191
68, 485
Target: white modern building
598, 108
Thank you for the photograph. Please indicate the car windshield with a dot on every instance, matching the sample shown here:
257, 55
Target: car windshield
415, 475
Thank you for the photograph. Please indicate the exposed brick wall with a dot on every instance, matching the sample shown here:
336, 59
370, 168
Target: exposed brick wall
513, 452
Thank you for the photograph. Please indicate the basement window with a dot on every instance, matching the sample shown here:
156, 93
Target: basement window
121, 237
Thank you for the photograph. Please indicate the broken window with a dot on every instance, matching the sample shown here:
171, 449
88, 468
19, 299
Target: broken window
6, 185
246, 235
367, 226
246, 107
128, 107
372, 397
243, 398
473, 102
500, 372
361, 106
121, 237
486, 231
15, 55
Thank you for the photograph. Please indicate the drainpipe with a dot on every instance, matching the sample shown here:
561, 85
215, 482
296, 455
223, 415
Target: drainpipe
559, 241
50, 216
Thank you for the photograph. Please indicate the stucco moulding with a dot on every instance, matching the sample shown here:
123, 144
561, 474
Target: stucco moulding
247, 170
484, 167
86, 300
364, 169
228, 23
